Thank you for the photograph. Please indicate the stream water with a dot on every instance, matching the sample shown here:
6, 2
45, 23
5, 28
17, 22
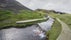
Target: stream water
19, 34
23, 33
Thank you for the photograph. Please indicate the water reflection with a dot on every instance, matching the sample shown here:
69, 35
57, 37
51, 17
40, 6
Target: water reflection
19, 34
39, 33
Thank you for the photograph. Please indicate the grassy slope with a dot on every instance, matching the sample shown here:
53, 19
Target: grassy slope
64, 17
55, 31
8, 19
56, 28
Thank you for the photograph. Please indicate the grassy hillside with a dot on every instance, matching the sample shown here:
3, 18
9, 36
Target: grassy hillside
12, 5
8, 19
64, 17
56, 28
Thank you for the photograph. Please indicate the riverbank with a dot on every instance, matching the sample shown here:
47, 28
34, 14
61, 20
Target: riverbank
64, 17
55, 30
65, 32
19, 33
8, 19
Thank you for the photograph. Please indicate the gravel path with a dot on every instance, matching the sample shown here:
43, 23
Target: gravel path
65, 33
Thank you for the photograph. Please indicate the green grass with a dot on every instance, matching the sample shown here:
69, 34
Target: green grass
26, 14
55, 31
64, 17
56, 28
8, 19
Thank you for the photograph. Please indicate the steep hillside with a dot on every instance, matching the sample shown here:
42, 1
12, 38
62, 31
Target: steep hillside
12, 5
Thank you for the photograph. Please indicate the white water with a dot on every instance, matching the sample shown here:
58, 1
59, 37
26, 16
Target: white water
47, 24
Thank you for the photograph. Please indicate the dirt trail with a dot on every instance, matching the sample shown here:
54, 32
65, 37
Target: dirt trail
65, 33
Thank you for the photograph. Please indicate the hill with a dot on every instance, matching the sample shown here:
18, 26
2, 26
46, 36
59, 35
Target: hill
12, 5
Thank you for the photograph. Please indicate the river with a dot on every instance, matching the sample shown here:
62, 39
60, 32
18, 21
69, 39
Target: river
21, 33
